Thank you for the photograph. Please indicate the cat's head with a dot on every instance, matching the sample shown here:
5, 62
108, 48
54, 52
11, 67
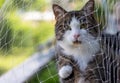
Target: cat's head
75, 27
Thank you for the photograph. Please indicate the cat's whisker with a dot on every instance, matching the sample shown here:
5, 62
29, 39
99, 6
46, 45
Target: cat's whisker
92, 12
86, 15
84, 23
96, 26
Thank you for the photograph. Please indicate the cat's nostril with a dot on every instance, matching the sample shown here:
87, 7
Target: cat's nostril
76, 36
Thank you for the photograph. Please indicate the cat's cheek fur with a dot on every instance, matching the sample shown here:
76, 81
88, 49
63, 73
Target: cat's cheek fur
68, 37
65, 71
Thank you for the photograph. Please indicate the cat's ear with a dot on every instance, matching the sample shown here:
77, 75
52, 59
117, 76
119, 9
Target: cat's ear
58, 11
89, 7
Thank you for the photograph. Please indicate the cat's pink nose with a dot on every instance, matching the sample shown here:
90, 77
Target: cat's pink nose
76, 36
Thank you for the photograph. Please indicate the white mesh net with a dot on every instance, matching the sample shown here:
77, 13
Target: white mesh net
23, 27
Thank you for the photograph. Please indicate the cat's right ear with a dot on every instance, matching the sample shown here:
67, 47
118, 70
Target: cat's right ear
58, 11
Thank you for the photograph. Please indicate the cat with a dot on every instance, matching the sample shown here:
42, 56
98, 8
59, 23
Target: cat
76, 42
78, 49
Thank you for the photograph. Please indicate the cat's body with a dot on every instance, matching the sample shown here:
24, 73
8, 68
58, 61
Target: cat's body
90, 73
79, 57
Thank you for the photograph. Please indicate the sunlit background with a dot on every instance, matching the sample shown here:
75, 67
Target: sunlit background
27, 24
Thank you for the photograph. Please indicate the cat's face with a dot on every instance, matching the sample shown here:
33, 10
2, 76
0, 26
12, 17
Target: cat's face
75, 27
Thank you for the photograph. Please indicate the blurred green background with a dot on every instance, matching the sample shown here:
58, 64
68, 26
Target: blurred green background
26, 24
23, 27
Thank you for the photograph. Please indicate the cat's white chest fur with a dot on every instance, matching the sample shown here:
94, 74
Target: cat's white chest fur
82, 54
82, 61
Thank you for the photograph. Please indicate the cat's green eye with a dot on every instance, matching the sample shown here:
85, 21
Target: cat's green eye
82, 20
69, 28
83, 26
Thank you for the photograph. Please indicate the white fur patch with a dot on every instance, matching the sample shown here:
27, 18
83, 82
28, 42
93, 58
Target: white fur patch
75, 27
74, 23
84, 52
65, 71
82, 80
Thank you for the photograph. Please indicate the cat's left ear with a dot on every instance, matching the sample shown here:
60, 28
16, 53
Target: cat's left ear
89, 7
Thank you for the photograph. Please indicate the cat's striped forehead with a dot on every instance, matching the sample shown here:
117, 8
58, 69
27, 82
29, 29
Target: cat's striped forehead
74, 22
76, 14
67, 18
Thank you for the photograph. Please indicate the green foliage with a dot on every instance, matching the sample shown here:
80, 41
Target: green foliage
100, 15
111, 4
1, 3
5, 35
30, 4
20, 31
43, 32
2, 70
39, 5
22, 4
48, 75
14, 57
79, 4
27, 33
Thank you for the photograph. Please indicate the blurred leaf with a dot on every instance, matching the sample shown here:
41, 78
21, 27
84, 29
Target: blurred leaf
26, 34
39, 5
5, 35
47, 75
1, 3
11, 59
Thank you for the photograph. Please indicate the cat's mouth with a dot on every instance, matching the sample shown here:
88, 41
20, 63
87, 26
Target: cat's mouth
77, 42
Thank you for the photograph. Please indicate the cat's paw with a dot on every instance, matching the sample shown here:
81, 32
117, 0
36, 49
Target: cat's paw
65, 71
